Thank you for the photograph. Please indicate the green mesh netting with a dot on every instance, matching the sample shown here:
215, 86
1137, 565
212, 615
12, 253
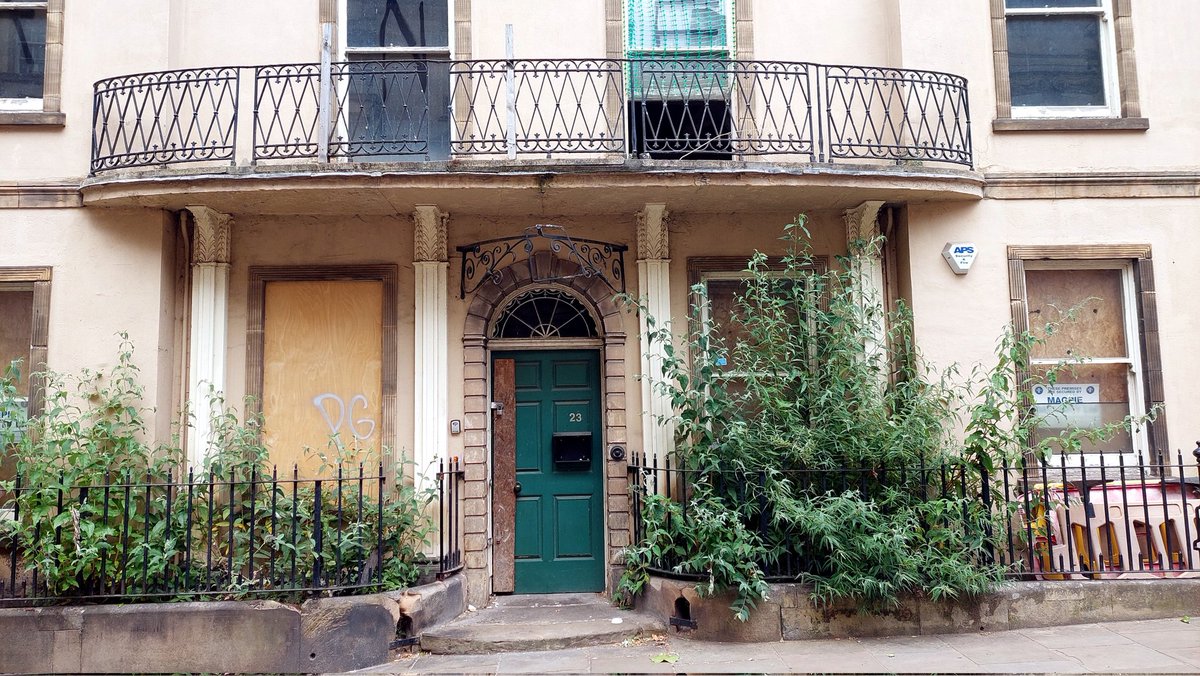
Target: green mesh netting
666, 31
679, 27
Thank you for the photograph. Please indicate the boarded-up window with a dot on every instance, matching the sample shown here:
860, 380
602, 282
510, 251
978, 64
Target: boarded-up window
16, 328
1086, 371
24, 328
322, 382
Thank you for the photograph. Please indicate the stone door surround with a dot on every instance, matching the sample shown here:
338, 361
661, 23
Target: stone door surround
485, 308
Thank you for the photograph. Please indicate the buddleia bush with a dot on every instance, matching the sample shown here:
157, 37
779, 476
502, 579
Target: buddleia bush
820, 437
95, 510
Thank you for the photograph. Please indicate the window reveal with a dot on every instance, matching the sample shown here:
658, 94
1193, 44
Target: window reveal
22, 55
1061, 58
680, 79
1092, 349
396, 83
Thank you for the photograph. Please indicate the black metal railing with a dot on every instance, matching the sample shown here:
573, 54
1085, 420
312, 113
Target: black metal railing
1059, 520
421, 110
202, 536
165, 118
450, 477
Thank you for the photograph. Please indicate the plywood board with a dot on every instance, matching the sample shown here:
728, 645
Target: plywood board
504, 474
16, 330
1095, 296
322, 370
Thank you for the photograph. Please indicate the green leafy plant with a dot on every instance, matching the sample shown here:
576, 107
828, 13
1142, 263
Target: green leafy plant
103, 513
820, 437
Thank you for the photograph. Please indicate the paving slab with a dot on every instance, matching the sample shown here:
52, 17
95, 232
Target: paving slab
1089, 648
1189, 655
1059, 666
1077, 636
983, 648
1128, 658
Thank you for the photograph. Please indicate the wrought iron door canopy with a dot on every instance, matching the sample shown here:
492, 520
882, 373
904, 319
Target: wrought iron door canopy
486, 260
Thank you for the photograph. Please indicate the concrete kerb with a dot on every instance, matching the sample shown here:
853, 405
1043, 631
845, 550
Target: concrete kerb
788, 614
327, 634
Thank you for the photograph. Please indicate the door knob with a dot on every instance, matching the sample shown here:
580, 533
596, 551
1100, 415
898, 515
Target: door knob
517, 488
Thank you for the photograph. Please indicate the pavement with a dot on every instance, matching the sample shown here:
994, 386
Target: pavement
1144, 646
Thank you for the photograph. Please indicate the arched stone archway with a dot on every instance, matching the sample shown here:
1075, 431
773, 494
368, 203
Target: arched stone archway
487, 302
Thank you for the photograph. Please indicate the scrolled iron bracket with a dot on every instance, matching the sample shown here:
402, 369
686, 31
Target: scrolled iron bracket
486, 260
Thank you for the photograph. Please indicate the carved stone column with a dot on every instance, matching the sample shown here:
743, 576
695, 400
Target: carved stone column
209, 319
654, 290
431, 371
865, 243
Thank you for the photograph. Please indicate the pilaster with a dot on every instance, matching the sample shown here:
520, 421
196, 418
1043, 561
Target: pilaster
431, 371
209, 319
654, 291
865, 242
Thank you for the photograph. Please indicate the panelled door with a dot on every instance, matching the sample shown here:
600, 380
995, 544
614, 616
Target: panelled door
557, 517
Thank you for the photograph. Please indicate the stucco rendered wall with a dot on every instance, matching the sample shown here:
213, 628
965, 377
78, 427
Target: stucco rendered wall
959, 319
112, 272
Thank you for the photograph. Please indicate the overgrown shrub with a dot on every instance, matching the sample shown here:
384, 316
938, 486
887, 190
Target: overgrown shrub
823, 383
103, 513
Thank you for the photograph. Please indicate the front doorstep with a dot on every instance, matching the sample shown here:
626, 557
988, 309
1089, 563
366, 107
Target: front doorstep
789, 615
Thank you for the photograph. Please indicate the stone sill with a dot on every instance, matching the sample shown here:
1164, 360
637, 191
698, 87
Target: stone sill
1010, 124
32, 118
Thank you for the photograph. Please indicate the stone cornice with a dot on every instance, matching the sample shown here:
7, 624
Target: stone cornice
40, 196
1094, 184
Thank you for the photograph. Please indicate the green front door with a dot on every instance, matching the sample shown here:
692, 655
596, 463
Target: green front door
559, 512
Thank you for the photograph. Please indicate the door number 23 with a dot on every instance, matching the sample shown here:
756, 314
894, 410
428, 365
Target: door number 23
574, 417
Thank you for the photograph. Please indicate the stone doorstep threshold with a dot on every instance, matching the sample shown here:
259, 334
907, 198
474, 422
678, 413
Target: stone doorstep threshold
322, 635
538, 622
789, 615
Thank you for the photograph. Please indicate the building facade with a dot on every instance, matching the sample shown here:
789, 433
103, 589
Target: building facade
406, 222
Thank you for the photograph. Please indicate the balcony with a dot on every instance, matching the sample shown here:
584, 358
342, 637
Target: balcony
412, 118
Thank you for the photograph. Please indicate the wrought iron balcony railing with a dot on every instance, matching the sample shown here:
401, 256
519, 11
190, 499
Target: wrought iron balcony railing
426, 110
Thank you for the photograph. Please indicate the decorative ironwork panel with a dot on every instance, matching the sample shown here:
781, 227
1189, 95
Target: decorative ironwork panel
487, 260
379, 109
886, 113
717, 108
286, 109
545, 313
558, 106
167, 117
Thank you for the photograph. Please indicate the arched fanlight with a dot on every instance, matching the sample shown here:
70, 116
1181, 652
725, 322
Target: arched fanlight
545, 313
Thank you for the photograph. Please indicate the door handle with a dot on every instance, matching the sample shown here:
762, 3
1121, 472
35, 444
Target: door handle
517, 488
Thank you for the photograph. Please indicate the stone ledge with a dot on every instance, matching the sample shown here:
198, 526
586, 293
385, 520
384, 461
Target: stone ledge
1015, 124
32, 118
789, 615
328, 634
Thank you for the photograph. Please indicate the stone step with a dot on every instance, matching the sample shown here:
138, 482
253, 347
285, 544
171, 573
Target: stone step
530, 622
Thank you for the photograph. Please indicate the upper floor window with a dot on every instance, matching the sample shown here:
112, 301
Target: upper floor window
1061, 58
22, 54
31, 33
387, 27
680, 28
1064, 65
396, 86
680, 78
